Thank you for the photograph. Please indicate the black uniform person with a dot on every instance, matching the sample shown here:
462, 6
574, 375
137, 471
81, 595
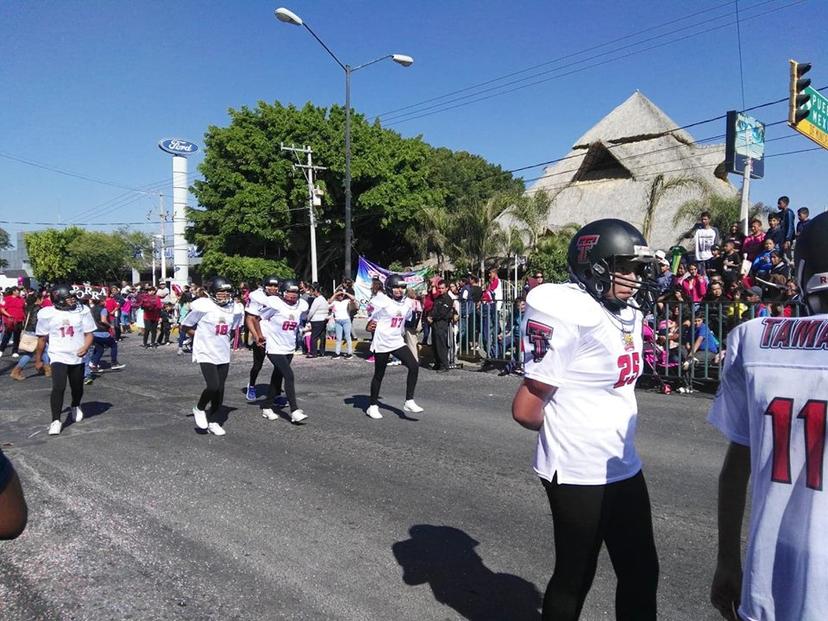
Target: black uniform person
441, 315
258, 299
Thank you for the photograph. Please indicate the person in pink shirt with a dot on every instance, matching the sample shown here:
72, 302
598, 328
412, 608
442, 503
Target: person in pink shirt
694, 284
752, 245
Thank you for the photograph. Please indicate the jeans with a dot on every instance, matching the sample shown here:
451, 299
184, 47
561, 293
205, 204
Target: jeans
343, 328
102, 341
25, 358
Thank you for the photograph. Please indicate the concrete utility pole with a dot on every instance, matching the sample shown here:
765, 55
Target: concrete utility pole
308, 170
163, 238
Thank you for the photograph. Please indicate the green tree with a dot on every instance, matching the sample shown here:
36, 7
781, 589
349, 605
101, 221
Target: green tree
253, 202
79, 255
659, 189
724, 211
5, 243
550, 252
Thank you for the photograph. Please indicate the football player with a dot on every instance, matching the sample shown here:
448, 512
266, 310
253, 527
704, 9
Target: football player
583, 344
771, 407
258, 299
211, 323
68, 326
279, 320
388, 315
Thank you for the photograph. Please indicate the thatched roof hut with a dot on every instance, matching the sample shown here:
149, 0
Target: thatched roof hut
633, 165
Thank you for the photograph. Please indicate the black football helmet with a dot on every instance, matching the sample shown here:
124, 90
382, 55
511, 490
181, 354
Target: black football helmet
811, 264
289, 290
220, 285
62, 292
602, 248
394, 281
270, 281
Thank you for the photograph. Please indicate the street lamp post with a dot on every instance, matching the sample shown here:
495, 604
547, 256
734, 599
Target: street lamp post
289, 17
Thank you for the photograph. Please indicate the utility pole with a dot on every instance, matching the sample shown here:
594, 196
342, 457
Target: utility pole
163, 238
153, 260
308, 170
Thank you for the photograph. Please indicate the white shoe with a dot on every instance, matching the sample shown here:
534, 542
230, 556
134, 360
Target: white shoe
269, 414
55, 428
297, 416
179, 352
216, 429
77, 414
200, 418
373, 412
411, 406
15, 355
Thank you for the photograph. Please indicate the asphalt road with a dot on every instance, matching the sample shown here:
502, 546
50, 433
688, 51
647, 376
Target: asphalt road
134, 515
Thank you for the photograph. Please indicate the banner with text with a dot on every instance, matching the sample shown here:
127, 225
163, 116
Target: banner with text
367, 271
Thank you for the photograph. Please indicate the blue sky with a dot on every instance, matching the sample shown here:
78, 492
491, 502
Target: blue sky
91, 87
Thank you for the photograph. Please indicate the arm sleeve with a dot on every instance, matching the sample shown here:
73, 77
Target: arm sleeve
89, 324
729, 412
550, 343
42, 327
194, 316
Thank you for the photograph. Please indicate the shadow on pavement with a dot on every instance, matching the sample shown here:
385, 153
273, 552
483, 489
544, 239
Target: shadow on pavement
444, 558
361, 403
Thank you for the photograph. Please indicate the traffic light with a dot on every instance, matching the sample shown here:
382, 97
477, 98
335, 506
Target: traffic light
799, 106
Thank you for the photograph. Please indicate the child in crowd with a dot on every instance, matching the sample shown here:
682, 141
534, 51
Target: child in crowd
775, 231
167, 313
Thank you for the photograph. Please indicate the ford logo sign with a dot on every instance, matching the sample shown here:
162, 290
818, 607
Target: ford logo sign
176, 146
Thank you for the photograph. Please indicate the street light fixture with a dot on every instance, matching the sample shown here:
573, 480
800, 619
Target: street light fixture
289, 17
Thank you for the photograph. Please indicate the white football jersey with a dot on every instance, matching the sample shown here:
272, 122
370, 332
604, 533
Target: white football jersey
256, 302
593, 357
279, 322
215, 325
390, 316
772, 398
66, 331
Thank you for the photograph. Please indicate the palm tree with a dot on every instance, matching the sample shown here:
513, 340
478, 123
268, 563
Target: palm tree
724, 211
659, 188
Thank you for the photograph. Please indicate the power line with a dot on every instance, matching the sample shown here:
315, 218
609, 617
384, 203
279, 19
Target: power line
549, 62
470, 99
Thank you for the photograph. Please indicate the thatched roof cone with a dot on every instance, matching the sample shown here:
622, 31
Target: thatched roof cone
611, 170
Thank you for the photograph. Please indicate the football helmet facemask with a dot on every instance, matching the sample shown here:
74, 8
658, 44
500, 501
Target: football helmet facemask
395, 281
220, 291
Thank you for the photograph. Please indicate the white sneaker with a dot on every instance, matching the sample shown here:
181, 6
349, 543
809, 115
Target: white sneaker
15, 355
200, 418
216, 429
55, 428
373, 412
77, 414
269, 414
297, 416
410, 406
179, 352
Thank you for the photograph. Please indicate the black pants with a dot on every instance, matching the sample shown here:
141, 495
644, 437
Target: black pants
13, 331
318, 336
440, 338
281, 371
60, 373
150, 328
381, 361
214, 375
585, 516
164, 336
258, 361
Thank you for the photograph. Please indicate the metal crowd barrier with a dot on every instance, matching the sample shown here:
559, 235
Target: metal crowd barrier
492, 335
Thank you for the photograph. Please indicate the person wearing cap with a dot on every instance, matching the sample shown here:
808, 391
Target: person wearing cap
665, 277
753, 296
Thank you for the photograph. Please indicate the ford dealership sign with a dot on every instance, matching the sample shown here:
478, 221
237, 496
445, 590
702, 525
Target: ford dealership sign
177, 146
